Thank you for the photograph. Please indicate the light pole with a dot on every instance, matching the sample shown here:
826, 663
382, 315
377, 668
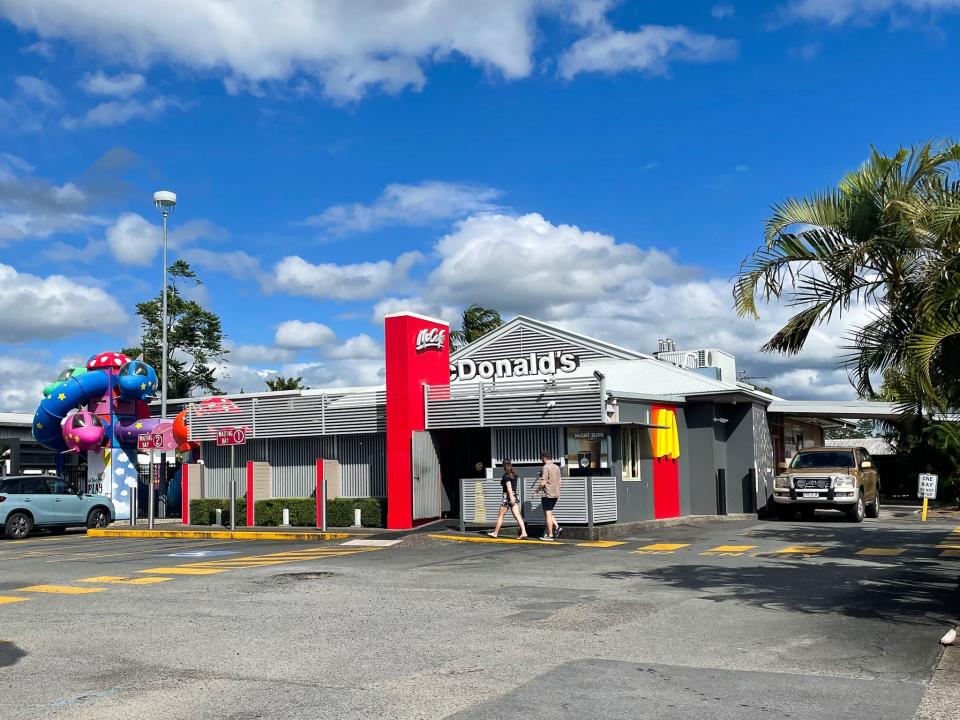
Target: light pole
164, 201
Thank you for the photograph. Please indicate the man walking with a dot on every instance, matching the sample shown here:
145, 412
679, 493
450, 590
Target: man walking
550, 485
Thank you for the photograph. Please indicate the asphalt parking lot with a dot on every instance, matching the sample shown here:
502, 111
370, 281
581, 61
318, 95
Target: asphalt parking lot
739, 619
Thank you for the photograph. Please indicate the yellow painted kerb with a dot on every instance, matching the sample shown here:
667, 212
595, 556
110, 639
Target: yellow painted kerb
218, 534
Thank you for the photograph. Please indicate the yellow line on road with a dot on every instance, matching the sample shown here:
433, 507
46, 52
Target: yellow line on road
118, 580
151, 550
881, 552
61, 589
8, 599
732, 550
181, 570
218, 534
952, 553
662, 547
500, 540
601, 543
801, 550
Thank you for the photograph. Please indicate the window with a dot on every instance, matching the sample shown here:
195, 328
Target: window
10, 486
58, 486
634, 449
587, 451
34, 486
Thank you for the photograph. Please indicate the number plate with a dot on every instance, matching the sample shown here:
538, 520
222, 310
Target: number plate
811, 495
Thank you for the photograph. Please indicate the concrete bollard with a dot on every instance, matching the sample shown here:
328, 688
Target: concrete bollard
286, 518
356, 517
219, 514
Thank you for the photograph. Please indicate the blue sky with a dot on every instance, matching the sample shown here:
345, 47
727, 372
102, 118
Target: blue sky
603, 165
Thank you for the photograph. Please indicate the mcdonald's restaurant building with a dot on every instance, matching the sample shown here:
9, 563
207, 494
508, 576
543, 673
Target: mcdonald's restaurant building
638, 436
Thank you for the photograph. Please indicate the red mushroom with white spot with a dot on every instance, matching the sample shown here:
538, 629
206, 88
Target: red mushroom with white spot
111, 361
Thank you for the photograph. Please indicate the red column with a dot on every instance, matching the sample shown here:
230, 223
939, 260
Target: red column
320, 489
250, 499
666, 480
417, 354
185, 494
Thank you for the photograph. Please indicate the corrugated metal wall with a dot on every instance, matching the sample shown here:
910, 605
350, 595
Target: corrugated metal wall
524, 444
524, 340
293, 463
426, 477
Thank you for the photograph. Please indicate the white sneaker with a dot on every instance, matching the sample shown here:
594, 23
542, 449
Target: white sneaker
547, 538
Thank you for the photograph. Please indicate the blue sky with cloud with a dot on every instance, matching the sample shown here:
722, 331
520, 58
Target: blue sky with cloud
603, 165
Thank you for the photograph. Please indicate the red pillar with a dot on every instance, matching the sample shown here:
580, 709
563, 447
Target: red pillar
666, 477
417, 353
250, 499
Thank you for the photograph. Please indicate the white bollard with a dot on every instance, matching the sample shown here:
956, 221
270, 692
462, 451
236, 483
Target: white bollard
286, 518
356, 517
219, 514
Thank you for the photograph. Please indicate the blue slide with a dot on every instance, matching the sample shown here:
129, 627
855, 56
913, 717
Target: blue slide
68, 395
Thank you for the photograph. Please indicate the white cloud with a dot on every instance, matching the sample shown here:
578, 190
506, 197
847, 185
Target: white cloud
296, 276
358, 347
118, 112
431, 308
39, 90
41, 48
650, 49
259, 354
723, 10
134, 240
120, 85
422, 204
21, 383
45, 308
296, 334
838, 12
351, 48
235, 263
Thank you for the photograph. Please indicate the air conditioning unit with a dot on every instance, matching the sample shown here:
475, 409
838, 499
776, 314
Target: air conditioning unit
723, 362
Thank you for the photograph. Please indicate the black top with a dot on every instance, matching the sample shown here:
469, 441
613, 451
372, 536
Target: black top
511, 481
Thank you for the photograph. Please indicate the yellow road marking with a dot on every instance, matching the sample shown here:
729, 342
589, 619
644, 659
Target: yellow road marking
181, 570
661, 548
881, 552
118, 580
218, 534
502, 541
7, 599
141, 551
728, 549
601, 543
801, 550
61, 589
948, 546
952, 553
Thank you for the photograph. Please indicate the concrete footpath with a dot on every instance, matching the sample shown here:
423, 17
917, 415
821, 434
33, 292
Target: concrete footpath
941, 701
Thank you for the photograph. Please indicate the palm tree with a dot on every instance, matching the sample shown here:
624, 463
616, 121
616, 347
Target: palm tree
888, 237
283, 383
477, 322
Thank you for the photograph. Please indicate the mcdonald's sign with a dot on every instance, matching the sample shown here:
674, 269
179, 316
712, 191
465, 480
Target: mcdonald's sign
666, 441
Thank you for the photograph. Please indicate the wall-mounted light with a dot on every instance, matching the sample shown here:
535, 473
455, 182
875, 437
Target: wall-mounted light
599, 375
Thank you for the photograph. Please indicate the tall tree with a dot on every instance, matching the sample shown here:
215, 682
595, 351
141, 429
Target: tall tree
194, 336
887, 237
285, 383
477, 321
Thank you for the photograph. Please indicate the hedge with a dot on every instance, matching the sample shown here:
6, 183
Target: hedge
303, 511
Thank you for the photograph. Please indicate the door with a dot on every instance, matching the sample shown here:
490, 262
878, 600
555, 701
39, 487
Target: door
426, 477
69, 508
36, 497
871, 477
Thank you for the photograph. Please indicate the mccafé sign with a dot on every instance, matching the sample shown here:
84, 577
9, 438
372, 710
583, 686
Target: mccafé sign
432, 339
549, 363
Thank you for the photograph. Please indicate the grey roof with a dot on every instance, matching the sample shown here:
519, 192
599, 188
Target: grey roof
835, 408
16, 419
654, 378
873, 445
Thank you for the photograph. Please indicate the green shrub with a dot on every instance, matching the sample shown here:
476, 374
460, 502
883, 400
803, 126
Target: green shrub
269, 513
203, 511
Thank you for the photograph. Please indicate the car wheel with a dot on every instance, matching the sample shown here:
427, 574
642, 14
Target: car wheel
98, 518
58, 531
18, 526
873, 509
858, 511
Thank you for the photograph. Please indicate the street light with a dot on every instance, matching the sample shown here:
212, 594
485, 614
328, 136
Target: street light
164, 201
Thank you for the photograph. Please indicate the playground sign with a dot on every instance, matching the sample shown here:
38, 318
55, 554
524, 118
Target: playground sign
231, 436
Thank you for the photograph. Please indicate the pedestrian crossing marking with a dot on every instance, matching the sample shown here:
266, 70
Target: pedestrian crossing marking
8, 599
801, 550
181, 570
601, 543
660, 548
61, 589
729, 550
881, 552
119, 580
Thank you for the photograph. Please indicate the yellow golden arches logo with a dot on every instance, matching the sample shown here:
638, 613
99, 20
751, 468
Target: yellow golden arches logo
666, 440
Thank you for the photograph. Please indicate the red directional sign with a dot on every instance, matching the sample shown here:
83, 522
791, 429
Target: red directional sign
150, 441
231, 436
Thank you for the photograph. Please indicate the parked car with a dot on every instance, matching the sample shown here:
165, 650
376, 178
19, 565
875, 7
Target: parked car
48, 502
835, 478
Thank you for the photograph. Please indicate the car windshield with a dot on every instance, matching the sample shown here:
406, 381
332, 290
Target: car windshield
822, 460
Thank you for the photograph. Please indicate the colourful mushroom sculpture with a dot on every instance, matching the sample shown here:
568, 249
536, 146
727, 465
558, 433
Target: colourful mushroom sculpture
107, 361
64, 375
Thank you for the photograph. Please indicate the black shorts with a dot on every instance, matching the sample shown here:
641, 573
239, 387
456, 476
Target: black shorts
548, 503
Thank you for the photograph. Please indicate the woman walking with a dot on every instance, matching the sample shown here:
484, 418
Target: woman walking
509, 482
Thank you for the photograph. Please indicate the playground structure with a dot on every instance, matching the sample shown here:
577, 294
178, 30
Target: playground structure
100, 409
